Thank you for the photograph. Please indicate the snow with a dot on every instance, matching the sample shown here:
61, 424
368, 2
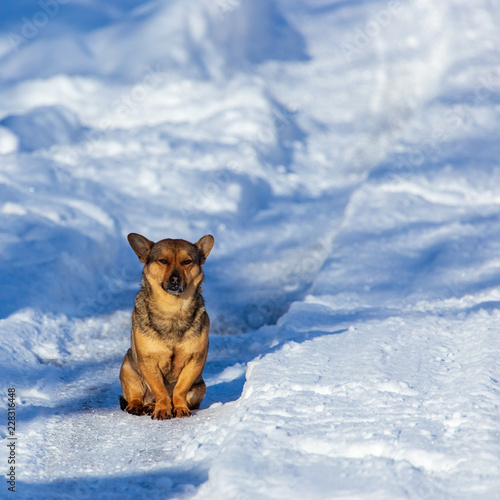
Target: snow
345, 157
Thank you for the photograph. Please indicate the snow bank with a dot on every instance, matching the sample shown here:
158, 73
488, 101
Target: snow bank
391, 408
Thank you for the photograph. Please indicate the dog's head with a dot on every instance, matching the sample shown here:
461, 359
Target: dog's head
173, 265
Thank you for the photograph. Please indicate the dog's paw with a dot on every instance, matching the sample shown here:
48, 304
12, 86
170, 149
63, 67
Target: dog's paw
163, 414
135, 409
182, 411
149, 408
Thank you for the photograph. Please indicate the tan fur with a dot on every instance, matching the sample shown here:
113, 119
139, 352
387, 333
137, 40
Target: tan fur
161, 374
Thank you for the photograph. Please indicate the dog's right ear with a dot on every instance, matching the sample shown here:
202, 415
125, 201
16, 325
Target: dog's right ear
140, 245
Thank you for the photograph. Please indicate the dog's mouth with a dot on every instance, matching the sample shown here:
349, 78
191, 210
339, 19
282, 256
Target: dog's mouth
173, 289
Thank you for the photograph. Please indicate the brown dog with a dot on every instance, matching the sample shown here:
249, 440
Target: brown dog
161, 374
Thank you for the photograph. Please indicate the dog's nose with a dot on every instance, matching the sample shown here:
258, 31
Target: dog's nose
174, 284
175, 278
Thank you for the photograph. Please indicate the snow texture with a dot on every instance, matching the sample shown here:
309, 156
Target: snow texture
345, 156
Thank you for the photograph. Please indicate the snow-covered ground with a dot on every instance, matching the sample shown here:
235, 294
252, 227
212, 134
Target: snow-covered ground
345, 156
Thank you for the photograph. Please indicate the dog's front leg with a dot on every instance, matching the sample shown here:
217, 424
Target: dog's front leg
154, 378
188, 376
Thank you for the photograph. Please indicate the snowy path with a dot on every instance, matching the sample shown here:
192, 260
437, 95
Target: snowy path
345, 157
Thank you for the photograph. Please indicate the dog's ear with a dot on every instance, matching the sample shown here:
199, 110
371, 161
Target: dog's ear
140, 245
204, 246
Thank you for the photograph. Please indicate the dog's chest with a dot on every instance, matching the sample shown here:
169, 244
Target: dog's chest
172, 361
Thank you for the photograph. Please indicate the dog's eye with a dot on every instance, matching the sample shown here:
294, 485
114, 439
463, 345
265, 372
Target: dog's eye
187, 262
163, 261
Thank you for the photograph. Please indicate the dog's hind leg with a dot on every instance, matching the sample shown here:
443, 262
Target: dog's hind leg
133, 388
196, 394
149, 402
123, 403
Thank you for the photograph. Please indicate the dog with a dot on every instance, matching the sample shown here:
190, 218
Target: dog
161, 374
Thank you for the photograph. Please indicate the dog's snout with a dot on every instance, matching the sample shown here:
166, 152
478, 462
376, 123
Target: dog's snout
175, 278
174, 284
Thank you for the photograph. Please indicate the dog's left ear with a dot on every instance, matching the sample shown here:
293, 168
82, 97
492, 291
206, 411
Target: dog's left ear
204, 246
